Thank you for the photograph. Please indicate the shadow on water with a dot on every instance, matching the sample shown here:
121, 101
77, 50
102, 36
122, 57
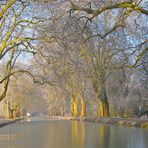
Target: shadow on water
71, 134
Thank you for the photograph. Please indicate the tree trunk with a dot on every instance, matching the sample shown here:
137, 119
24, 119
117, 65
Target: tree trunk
75, 109
72, 108
103, 105
103, 108
83, 107
62, 111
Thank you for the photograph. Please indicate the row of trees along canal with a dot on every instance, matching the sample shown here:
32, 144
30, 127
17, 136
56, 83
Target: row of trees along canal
85, 58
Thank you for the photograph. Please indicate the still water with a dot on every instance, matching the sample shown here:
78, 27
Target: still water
45, 133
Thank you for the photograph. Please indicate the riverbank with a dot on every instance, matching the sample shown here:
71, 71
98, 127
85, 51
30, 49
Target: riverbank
4, 122
135, 122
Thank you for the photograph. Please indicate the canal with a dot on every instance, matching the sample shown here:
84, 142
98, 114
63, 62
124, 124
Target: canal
48, 133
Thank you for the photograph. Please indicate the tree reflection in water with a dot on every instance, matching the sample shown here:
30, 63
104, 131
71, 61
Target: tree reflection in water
78, 134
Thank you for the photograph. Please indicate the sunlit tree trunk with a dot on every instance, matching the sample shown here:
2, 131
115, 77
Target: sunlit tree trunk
75, 108
72, 108
103, 105
83, 107
103, 108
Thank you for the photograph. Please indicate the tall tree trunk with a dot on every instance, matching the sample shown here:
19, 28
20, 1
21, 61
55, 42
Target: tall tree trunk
83, 107
74, 108
103, 105
7, 73
103, 108
62, 111
4, 89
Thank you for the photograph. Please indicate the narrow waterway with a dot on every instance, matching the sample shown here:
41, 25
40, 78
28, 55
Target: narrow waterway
48, 133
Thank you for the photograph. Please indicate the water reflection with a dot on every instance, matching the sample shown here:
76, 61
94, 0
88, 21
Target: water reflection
104, 136
71, 134
78, 134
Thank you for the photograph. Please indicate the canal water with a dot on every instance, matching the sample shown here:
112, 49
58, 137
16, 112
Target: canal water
45, 133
